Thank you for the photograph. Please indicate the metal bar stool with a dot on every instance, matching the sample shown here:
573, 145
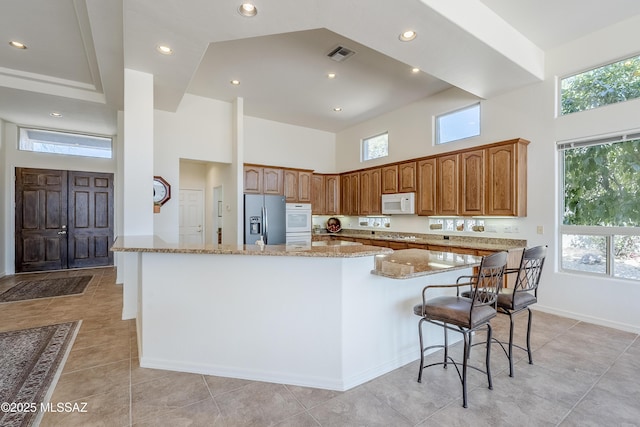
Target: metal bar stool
464, 314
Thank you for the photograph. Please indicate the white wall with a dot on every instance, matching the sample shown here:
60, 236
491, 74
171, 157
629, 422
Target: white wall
279, 144
201, 129
528, 113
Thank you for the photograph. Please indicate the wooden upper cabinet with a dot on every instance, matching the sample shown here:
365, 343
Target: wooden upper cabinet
272, 181
354, 203
252, 179
317, 194
350, 193
426, 184
447, 185
506, 182
290, 185
304, 186
345, 194
376, 191
332, 194
472, 177
407, 177
263, 180
390, 179
370, 181
297, 186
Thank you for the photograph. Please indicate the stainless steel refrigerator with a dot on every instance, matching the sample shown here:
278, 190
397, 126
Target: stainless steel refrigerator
264, 215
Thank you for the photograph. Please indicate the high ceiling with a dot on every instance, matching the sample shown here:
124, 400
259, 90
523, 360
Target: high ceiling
77, 50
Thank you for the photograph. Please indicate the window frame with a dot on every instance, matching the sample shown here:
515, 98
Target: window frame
608, 232
364, 141
437, 126
26, 129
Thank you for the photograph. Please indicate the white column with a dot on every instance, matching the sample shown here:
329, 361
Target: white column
137, 176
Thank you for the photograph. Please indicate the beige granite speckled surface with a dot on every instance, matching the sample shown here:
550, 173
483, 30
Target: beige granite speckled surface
334, 250
408, 263
481, 241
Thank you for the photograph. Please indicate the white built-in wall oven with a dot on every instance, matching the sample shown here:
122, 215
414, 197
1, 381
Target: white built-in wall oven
298, 224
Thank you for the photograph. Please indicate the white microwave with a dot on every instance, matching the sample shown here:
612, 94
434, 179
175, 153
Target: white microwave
399, 203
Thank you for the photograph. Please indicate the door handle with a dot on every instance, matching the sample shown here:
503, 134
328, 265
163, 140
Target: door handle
62, 232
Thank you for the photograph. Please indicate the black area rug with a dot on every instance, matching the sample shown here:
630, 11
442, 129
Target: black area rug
47, 288
30, 363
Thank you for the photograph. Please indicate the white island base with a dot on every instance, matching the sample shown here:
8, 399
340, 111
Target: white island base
323, 322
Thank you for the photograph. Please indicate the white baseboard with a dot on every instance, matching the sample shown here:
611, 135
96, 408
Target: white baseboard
589, 319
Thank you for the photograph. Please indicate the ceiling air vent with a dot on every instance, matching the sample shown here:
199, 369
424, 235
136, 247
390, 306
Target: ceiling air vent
340, 53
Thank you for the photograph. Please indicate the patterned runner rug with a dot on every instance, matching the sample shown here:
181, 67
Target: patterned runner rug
30, 363
47, 288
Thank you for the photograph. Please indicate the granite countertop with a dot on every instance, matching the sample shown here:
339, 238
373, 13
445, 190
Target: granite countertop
408, 263
470, 242
156, 245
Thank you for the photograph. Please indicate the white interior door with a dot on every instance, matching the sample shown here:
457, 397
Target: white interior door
191, 216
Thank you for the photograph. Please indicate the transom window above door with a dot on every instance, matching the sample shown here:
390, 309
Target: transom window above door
71, 144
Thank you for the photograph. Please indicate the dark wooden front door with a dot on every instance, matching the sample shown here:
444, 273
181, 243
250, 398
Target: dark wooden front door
64, 219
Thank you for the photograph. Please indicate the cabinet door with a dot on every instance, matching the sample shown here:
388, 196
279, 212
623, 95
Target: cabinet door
506, 180
332, 198
290, 185
272, 181
345, 194
390, 179
252, 180
365, 193
376, 191
447, 193
426, 177
472, 183
304, 187
407, 177
355, 193
317, 194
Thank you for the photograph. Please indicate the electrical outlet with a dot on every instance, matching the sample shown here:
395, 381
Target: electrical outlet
540, 229
507, 229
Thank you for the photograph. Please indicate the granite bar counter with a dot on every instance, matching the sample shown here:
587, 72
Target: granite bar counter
481, 241
334, 249
292, 317
409, 263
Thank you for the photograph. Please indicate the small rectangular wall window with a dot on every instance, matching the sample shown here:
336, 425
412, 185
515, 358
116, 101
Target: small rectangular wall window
459, 124
70, 144
375, 147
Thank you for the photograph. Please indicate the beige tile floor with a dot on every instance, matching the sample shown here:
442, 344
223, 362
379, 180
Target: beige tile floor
582, 375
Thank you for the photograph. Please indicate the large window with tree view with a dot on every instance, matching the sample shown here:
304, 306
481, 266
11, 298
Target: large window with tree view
600, 231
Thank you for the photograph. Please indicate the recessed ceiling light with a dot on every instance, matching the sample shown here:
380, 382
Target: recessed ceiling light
337, 109
331, 75
235, 82
17, 44
408, 36
248, 10
415, 70
164, 49
55, 114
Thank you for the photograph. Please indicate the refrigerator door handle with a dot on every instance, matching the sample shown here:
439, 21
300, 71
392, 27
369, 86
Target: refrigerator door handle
265, 224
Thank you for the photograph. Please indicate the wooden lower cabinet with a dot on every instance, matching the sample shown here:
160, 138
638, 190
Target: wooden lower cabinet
398, 245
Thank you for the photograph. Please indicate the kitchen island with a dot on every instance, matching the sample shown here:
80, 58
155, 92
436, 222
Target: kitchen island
313, 317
